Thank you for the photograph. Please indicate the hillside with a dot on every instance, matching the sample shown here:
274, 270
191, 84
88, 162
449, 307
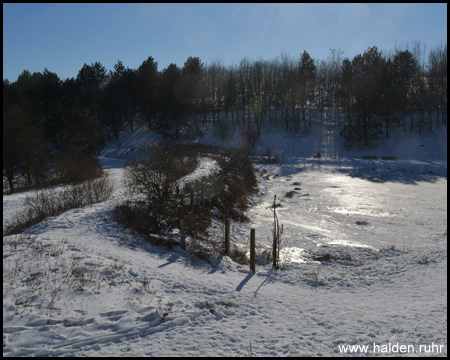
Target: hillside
364, 266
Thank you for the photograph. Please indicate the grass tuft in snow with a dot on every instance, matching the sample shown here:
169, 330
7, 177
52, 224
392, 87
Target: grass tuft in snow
238, 255
41, 275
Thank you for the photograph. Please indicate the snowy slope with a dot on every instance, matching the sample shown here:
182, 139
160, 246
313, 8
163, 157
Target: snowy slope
80, 285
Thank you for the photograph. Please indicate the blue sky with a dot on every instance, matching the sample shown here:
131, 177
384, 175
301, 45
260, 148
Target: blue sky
62, 37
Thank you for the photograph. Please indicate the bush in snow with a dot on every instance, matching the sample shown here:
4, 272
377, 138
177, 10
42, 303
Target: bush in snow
162, 196
155, 172
49, 202
156, 169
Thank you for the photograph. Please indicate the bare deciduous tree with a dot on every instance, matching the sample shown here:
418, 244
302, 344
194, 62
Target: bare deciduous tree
156, 170
277, 231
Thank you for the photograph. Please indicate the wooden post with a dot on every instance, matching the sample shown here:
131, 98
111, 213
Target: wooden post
191, 221
227, 237
274, 233
182, 238
181, 211
252, 251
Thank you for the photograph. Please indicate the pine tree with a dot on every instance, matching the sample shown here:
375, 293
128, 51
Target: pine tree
169, 100
367, 86
147, 80
307, 76
405, 70
191, 84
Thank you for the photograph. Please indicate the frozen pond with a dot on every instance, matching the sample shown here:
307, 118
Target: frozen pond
329, 207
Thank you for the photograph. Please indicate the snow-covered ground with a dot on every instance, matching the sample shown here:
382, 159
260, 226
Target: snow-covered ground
365, 263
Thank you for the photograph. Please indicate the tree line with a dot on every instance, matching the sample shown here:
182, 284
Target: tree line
365, 97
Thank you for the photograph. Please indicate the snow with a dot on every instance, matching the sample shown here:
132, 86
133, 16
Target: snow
79, 285
205, 167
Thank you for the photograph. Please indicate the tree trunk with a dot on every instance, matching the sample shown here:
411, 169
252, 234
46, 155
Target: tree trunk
11, 183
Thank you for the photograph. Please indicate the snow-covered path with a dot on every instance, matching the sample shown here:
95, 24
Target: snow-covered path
282, 313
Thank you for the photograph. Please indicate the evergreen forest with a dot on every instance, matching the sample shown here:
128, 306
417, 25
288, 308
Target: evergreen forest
47, 120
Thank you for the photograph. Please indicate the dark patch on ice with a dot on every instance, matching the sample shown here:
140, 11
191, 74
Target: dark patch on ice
361, 222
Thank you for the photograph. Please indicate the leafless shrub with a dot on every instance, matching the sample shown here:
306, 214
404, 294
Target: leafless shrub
277, 231
98, 190
239, 256
49, 202
239, 180
163, 311
76, 167
133, 217
156, 169
155, 172
65, 167
204, 247
317, 279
